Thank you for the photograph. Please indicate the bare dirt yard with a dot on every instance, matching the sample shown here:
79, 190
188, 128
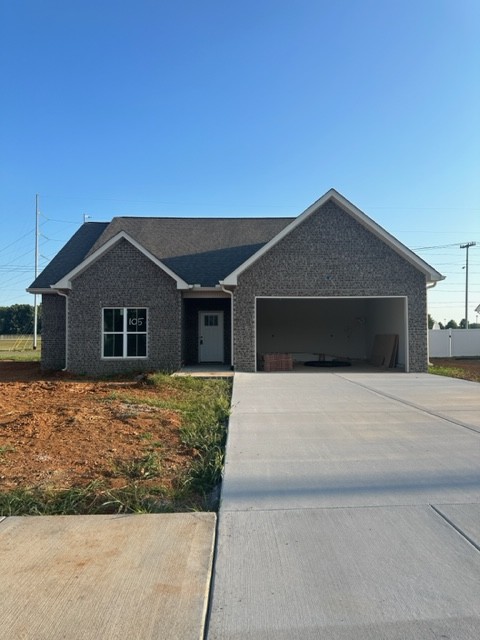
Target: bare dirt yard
59, 432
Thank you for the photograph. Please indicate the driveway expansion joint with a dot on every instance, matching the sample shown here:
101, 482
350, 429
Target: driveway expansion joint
331, 507
466, 537
412, 405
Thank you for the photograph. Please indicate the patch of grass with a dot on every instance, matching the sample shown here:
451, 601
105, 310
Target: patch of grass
148, 437
92, 499
453, 372
21, 356
5, 449
204, 406
206, 471
148, 466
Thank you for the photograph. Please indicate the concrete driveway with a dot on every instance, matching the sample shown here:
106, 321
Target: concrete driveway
350, 509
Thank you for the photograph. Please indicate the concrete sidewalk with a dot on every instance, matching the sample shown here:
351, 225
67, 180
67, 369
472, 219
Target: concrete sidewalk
350, 509
105, 577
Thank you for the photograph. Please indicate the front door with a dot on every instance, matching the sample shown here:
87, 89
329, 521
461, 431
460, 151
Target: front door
210, 336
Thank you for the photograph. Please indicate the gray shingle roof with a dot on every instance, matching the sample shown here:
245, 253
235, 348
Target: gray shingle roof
70, 255
199, 250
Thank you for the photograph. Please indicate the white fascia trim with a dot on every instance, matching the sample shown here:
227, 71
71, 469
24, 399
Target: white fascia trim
66, 281
431, 274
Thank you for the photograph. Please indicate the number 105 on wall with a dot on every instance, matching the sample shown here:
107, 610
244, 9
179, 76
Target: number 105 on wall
136, 322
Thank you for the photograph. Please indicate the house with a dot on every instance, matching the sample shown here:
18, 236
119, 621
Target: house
156, 293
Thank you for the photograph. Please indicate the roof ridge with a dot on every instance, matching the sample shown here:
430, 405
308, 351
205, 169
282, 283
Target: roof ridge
202, 218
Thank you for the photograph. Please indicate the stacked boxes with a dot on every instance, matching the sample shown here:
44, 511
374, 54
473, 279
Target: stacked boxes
277, 362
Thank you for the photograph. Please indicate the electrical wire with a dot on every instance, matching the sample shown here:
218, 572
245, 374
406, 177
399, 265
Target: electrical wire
17, 240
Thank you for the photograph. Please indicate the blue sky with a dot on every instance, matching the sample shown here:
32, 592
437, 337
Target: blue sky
256, 108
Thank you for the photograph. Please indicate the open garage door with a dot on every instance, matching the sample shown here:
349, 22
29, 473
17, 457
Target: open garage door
309, 328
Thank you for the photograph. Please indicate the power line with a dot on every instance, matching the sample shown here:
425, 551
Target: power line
62, 221
438, 246
17, 240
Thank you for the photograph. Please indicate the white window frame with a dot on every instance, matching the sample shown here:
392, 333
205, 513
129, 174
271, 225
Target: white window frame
125, 333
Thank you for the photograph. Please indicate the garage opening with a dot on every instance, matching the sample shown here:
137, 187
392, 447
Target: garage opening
310, 329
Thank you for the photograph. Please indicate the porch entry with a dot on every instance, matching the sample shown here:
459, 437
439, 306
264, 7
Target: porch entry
210, 336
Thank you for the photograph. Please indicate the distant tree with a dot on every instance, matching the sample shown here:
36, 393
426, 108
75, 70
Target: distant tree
451, 324
18, 319
3, 320
471, 325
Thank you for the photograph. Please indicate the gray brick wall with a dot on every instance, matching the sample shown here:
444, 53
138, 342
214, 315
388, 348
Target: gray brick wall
53, 331
123, 277
330, 254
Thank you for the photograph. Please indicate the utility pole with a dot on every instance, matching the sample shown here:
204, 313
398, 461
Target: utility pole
466, 246
35, 306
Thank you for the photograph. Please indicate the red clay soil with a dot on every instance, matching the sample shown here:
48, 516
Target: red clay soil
60, 432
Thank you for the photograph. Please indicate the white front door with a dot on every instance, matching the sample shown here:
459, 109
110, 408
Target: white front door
210, 336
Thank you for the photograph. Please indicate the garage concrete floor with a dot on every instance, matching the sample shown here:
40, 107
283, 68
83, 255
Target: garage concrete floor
350, 509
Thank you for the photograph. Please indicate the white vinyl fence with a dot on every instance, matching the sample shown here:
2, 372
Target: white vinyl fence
449, 343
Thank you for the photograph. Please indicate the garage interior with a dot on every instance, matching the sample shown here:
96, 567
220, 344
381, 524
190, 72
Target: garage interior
310, 329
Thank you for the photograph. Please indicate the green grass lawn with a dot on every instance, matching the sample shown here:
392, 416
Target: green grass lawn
21, 356
20, 348
454, 372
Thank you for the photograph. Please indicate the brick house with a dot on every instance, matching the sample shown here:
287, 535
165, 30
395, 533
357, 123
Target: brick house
156, 293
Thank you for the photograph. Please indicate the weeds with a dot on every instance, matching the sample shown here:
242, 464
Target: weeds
6, 449
147, 466
453, 372
204, 406
95, 498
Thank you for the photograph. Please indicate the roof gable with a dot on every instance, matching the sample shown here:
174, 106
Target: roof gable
430, 273
66, 281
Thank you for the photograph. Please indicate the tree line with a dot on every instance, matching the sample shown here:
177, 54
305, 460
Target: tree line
451, 324
18, 319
